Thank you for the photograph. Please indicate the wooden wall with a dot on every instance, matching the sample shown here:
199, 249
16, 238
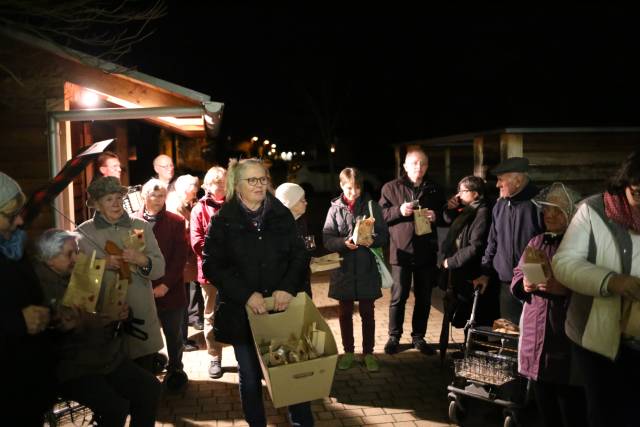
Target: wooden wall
583, 161
25, 100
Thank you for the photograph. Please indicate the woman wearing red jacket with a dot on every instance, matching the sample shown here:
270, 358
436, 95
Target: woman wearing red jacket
201, 214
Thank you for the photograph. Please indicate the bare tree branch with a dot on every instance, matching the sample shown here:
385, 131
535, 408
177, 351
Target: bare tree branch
102, 28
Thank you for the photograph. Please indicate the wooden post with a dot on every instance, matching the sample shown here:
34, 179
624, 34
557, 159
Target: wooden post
510, 145
396, 153
478, 157
66, 218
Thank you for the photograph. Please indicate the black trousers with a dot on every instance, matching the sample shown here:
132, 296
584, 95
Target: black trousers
560, 405
424, 278
611, 387
129, 389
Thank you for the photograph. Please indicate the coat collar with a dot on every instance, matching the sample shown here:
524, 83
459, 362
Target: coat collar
101, 223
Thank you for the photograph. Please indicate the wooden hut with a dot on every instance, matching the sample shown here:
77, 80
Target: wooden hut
581, 157
45, 118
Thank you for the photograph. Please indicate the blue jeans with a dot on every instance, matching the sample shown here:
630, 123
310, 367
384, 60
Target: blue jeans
251, 391
171, 321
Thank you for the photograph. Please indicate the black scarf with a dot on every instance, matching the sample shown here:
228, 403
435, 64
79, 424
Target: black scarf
467, 216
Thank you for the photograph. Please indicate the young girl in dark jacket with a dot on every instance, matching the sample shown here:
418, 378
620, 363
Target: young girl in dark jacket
357, 279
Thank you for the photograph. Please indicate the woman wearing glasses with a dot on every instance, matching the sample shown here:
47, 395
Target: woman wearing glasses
252, 251
23, 319
464, 246
599, 260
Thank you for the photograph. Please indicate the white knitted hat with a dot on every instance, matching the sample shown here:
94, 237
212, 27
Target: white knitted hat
289, 193
9, 189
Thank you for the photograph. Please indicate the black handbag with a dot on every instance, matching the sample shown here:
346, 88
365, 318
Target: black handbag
230, 323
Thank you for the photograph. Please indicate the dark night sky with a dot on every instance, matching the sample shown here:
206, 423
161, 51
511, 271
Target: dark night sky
391, 74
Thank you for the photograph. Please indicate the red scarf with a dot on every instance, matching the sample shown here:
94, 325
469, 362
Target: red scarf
617, 208
351, 204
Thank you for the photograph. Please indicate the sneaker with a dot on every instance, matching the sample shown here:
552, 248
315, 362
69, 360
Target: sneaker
371, 363
215, 369
391, 347
346, 361
422, 346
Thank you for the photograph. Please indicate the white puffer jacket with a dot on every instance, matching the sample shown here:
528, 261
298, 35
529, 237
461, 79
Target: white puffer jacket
595, 321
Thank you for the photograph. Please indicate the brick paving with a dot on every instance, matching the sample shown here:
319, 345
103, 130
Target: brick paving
409, 389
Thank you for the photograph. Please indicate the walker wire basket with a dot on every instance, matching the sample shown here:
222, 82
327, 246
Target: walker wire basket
488, 371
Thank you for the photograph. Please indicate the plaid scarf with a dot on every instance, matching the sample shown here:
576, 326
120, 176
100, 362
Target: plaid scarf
617, 208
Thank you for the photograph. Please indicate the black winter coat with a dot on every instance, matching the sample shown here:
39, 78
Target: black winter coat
358, 277
465, 262
239, 259
406, 248
515, 220
28, 360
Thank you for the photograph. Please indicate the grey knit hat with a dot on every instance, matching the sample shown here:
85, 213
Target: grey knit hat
9, 189
101, 187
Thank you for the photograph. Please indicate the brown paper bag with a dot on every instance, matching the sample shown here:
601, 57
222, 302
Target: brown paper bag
630, 322
115, 296
421, 223
84, 285
135, 240
535, 266
363, 231
327, 262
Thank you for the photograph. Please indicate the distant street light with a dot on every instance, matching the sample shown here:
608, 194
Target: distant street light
333, 148
302, 153
266, 142
254, 139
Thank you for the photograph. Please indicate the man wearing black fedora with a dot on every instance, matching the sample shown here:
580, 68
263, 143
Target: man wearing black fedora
515, 221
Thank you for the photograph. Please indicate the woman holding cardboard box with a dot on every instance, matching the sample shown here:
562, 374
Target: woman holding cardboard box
544, 354
252, 251
357, 279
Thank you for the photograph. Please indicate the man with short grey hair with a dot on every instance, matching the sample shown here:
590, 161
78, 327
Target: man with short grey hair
413, 257
515, 220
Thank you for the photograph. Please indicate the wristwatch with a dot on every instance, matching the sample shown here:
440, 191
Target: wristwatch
147, 268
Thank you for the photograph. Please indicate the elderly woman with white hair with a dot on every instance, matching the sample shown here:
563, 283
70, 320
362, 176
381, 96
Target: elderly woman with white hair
25, 350
292, 196
92, 366
181, 201
168, 290
544, 354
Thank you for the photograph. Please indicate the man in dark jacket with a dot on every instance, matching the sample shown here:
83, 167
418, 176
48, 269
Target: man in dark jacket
515, 220
412, 257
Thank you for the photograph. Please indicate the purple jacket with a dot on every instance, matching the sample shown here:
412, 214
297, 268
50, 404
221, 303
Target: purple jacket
544, 352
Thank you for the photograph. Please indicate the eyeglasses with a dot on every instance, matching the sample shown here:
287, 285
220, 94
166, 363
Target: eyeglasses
465, 191
166, 166
253, 181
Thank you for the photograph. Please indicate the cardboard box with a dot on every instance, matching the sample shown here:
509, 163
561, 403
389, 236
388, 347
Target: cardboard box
302, 381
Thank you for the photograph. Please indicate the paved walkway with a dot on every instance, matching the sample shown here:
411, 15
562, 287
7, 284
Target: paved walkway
409, 390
